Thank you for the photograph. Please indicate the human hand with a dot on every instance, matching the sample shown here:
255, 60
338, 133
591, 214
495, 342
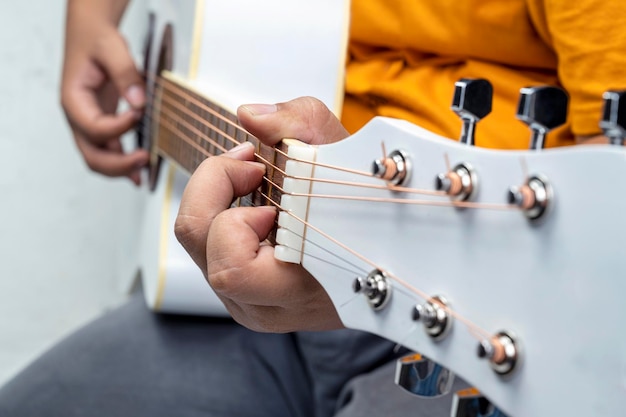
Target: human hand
98, 70
260, 292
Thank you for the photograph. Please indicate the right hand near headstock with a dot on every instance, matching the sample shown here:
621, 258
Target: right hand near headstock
259, 291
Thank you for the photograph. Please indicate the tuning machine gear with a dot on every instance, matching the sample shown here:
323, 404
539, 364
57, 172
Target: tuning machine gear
394, 168
502, 351
471, 102
534, 197
460, 183
542, 108
375, 287
435, 317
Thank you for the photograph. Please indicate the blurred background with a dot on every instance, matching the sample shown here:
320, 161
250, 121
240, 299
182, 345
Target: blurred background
68, 237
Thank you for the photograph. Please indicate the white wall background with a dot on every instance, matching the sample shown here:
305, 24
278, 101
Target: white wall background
67, 236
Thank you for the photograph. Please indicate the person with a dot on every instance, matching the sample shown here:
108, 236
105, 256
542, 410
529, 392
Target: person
404, 66
133, 362
403, 61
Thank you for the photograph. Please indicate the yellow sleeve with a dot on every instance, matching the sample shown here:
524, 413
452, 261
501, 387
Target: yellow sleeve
589, 38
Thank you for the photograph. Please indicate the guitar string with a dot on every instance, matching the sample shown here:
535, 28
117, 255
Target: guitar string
474, 329
449, 203
232, 139
187, 96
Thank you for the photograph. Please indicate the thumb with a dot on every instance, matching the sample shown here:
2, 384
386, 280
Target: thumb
305, 118
113, 55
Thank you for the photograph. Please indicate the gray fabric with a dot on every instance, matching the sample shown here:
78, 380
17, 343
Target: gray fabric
374, 394
135, 363
333, 358
132, 362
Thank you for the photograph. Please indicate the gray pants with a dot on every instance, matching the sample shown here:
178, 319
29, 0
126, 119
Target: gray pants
132, 362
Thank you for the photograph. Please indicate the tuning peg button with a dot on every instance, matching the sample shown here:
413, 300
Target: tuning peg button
460, 183
435, 317
542, 109
613, 122
502, 351
375, 287
472, 102
394, 168
534, 197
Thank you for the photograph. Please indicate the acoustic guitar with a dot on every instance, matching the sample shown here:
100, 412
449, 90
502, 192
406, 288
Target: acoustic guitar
504, 267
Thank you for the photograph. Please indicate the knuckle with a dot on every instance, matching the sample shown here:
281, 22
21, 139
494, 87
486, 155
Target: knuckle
312, 102
224, 281
184, 230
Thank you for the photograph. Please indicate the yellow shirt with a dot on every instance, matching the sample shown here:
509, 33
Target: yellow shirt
405, 56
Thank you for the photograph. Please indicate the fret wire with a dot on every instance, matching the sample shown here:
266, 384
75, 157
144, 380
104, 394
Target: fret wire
221, 118
202, 128
177, 138
221, 124
176, 133
202, 136
260, 145
212, 133
207, 105
209, 131
199, 100
192, 112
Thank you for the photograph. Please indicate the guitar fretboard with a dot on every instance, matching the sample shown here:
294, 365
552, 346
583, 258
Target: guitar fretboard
191, 128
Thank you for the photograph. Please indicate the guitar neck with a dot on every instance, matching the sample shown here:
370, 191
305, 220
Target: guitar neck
191, 128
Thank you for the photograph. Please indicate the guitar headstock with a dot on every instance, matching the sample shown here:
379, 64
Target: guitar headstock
502, 266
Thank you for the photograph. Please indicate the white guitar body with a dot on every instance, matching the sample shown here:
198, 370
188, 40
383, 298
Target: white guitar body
555, 284
235, 52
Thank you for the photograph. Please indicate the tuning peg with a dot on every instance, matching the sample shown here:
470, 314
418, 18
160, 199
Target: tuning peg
534, 197
423, 377
435, 317
459, 183
472, 101
542, 109
502, 351
470, 403
613, 122
375, 287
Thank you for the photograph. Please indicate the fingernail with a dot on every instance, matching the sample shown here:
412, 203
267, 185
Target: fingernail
260, 165
268, 208
135, 96
242, 146
260, 109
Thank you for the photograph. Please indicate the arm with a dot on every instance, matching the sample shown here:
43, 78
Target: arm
98, 69
260, 292
589, 41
